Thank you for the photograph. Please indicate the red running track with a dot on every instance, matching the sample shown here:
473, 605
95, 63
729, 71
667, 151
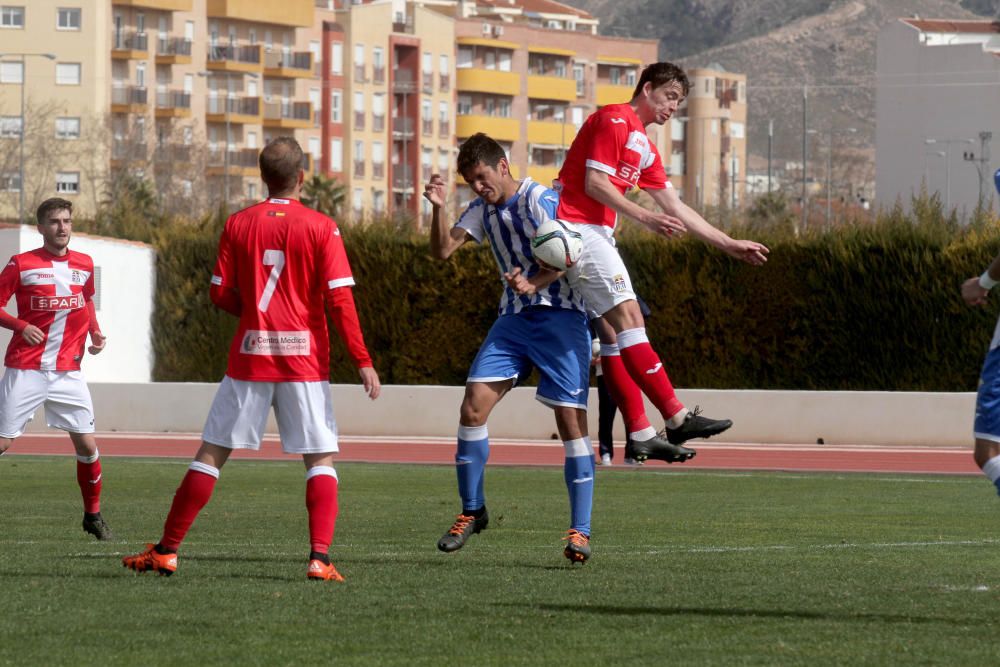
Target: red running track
711, 455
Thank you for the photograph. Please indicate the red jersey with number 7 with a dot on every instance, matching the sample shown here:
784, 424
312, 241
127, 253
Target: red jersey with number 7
52, 292
614, 141
281, 258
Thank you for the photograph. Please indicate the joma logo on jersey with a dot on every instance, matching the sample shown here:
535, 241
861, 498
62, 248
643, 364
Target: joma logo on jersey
71, 302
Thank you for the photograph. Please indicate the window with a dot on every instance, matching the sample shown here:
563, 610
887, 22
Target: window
443, 111
251, 140
490, 59
464, 57
677, 130
464, 107
561, 69
505, 61
737, 131
504, 108
337, 106
337, 58
67, 74
252, 36
10, 127
444, 163
252, 191
11, 17
316, 50
357, 199
630, 78
68, 182
615, 75
336, 155
10, 181
68, 18
314, 147
11, 72
68, 127
378, 201
443, 67
359, 111
359, 54
578, 74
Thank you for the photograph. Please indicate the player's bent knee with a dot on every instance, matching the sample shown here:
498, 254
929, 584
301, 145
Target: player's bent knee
985, 450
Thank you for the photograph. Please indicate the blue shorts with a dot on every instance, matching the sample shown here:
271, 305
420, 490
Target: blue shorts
987, 424
555, 340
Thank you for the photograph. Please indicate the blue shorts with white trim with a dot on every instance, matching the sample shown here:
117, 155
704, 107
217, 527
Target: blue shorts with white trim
987, 424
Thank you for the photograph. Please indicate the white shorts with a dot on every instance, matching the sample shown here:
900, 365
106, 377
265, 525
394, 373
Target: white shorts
239, 411
64, 394
599, 275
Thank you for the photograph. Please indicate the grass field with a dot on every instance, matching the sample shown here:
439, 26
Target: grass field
688, 568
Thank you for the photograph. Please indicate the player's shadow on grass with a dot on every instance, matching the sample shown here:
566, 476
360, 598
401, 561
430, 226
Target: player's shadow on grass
864, 617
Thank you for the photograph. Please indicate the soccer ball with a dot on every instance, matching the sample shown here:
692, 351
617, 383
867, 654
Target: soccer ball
556, 245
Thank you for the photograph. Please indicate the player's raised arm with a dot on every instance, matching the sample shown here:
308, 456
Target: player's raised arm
444, 240
750, 252
598, 187
975, 290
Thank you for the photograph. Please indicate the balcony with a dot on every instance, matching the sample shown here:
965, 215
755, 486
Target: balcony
242, 162
404, 84
489, 81
289, 65
235, 58
552, 88
359, 120
402, 179
543, 174
359, 169
129, 45
128, 99
444, 83
240, 110
378, 123
173, 104
550, 132
165, 5
378, 74
444, 129
428, 82
292, 13
172, 153
378, 169
608, 93
427, 127
501, 129
288, 115
359, 74
173, 51
125, 153
402, 128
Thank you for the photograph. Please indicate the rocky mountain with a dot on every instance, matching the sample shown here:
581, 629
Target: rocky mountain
825, 46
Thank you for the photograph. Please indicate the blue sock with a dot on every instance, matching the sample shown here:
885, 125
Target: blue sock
578, 471
470, 465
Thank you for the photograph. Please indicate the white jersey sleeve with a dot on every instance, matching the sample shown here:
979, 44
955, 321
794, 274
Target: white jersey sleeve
471, 220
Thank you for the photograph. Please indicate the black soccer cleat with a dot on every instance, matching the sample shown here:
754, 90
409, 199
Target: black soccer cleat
97, 526
696, 426
464, 527
660, 449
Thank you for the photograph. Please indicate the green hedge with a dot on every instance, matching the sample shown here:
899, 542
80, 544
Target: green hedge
866, 307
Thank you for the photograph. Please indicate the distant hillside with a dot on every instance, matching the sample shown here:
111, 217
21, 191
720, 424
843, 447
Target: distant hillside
828, 45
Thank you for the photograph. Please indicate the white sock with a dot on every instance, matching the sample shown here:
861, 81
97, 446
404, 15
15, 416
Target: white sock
992, 469
678, 419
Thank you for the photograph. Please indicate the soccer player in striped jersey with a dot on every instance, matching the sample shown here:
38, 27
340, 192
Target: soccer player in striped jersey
54, 290
610, 155
280, 264
547, 330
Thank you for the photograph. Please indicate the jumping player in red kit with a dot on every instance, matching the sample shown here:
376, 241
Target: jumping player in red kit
281, 268
54, 289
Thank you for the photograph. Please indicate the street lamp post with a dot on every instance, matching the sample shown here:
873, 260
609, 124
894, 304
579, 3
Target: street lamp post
225, 152
20, 175
947, 165
829, 168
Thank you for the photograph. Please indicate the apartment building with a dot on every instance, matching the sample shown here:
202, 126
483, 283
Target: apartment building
704, 146
183, 91
936, 111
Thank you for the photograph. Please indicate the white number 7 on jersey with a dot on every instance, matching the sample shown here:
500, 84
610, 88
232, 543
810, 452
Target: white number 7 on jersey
276, 260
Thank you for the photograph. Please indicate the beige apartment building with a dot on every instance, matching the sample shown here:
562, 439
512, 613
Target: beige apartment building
704, 146
182, 91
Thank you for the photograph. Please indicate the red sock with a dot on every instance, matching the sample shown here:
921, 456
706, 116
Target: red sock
88, 476
193, 493
625, 393
645, 367
321, 501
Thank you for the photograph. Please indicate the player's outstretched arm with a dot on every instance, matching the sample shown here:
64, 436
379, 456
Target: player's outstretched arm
599, 188
444, 239
750, 252
975, 290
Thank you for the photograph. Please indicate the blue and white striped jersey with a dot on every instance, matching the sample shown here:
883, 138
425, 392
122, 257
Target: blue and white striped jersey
509, 229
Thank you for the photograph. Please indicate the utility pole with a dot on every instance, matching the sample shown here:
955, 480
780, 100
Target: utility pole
982, 163
770, 142
805, 202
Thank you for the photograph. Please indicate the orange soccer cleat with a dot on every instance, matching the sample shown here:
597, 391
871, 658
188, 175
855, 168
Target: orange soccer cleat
577, 546
320, 571
165, 564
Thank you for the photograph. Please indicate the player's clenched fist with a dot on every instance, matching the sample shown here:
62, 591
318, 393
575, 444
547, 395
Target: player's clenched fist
434, 190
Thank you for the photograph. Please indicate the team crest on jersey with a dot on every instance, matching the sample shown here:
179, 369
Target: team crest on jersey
620, 284
275, 343
70, 302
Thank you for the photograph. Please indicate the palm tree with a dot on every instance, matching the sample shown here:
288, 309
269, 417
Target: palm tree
323, 194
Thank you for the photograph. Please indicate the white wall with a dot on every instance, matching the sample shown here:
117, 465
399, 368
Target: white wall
127, 294
797, 417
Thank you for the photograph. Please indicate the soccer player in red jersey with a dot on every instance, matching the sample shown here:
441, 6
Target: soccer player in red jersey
281, 268
54, 289
610, 155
